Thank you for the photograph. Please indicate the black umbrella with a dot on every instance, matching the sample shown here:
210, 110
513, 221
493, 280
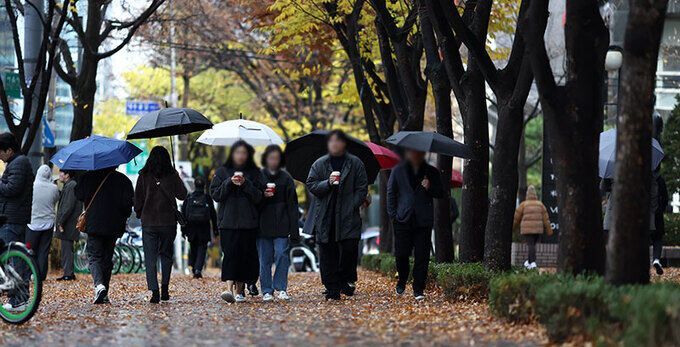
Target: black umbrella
302, 152
430, 142
169, 122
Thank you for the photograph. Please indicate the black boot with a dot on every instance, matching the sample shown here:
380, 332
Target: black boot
348, 289
155, 297
332, 295
165, 293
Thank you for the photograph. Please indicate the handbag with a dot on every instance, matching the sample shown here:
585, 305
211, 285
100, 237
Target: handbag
179, 216
81, 223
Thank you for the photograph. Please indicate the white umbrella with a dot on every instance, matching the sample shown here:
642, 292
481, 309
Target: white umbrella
226, 133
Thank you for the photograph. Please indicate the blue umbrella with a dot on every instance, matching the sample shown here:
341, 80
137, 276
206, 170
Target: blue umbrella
608, 153
94, 153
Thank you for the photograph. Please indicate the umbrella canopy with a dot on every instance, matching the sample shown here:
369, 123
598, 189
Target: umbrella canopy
302, 152
226, 133
385, 156
456, 179
430, 142
607, 161
169, 122
94, 153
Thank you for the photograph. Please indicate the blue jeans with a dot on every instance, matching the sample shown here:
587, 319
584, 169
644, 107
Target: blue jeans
273, 251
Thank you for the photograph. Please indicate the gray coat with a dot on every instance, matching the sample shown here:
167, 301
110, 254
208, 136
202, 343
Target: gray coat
608, 221
16, 190
68, 210
352, 192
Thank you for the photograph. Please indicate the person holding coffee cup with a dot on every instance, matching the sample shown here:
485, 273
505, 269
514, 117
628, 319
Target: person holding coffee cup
339, 184
278, 224
238, 188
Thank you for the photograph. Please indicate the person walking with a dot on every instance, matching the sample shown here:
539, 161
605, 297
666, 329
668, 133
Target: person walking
108, 198
158, 185
659, 204
339, 184
68, 210
238, 188
199, 211
278, 224
532, 218
411, 188
43, 216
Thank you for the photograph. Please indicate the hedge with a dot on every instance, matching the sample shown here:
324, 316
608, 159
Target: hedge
672, 225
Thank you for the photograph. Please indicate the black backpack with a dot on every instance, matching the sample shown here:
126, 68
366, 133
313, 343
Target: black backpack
198, 208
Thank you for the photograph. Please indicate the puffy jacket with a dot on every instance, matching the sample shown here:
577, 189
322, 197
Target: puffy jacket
16, 190
238, 205
532, 217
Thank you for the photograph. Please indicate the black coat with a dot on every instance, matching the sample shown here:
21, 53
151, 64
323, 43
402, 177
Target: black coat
200, 231
68, 210
279, 214
413, 204
111, 207
155, 198
351, 194
16, 190
238, 205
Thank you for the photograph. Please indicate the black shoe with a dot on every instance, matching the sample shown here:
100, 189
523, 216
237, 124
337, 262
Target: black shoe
400, 289
332, 295
66, 278
198, 275
106, 300
165, 293
348, 289
100, 292
155, 297
252, 290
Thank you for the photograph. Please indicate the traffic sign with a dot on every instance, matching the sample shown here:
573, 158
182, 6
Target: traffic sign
48, 135
141, 107
12, 86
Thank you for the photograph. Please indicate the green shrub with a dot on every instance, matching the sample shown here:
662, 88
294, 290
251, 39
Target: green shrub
371, 262
461, 281
388, 266
513, 295
672, 237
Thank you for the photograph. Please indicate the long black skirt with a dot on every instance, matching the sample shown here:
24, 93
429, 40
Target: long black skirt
239, 261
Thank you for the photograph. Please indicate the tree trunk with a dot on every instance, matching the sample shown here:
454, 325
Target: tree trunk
523, 170
443, 228
386, 232
83, 96
628, 254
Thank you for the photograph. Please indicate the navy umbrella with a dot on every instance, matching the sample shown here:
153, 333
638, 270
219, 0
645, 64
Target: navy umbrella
169, 122
302, 152
94, 153
426, 141
607, 160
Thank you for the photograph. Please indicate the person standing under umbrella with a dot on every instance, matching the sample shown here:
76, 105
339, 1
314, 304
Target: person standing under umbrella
39, 232
68, 210
278, 222
108, 199
199, 212
412, 186
237, 187
157, 188
339, 184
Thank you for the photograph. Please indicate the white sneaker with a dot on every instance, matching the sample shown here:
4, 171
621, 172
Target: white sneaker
99, 294
227, 296
527, 265
533, 265
267, 297
283, 295
658, 267
239, 298
420, 297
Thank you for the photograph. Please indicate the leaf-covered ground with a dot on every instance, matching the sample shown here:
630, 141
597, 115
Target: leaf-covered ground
196, 316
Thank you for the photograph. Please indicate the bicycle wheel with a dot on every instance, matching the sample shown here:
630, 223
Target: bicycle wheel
142, 264
22, 286
117, 262
80, 262
139, 259
127, 258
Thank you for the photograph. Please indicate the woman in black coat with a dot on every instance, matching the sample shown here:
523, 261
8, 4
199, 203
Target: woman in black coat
238, 188
278, 222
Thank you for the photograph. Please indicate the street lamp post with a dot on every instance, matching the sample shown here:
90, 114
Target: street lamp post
612, 64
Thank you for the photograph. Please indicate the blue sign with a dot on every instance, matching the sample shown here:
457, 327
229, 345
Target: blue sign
141, 107
47, 134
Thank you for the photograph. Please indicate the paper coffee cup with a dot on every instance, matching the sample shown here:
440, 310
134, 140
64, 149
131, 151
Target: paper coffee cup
336, 177
238, 174
271, 187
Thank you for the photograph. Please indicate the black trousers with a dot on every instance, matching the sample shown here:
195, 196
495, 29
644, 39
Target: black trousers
100, 258
197, 252
158, 243
531, 240
417, 241
67, 257
338, 261
40, 241
240, 262
656, 239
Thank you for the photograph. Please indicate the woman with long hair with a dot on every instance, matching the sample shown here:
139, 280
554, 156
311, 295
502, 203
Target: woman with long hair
237, 187
158, 185
278, 222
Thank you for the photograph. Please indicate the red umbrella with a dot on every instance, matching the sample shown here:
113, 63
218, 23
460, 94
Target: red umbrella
386, 157
456, 179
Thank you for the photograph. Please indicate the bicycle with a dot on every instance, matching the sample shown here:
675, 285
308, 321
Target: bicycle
20, 283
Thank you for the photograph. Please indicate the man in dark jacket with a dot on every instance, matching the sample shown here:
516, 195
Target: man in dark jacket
410, 190
201, 228
68, 210
16, 190
339, 184
106, 215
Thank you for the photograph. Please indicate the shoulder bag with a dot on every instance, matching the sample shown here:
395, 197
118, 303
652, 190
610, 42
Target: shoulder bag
81, 224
